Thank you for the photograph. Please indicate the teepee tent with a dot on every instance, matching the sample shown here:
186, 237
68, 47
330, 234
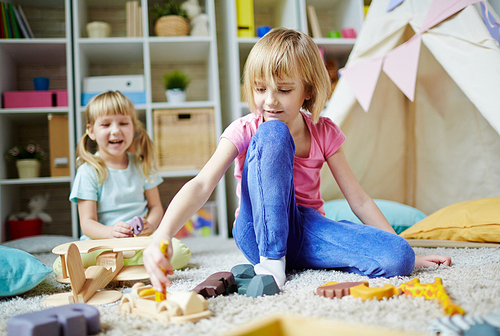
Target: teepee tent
419, 102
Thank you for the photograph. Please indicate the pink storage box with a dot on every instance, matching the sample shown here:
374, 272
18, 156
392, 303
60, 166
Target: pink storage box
49, 98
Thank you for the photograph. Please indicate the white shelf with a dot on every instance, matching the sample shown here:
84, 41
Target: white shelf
39, 180
34, 110
50, 55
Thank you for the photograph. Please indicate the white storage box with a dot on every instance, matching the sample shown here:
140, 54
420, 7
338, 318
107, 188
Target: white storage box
127, 83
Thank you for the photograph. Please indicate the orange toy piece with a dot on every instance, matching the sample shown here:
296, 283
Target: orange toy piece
367, 293
431, 291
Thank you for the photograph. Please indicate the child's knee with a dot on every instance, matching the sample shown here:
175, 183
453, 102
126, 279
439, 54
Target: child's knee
274, 132
400, 259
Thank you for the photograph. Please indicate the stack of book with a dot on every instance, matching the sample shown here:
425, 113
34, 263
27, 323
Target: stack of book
13, 22
133, 19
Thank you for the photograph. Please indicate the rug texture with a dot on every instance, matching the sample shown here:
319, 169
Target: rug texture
473, 282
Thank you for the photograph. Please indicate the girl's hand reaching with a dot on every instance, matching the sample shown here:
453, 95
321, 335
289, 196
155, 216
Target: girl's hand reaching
431, 260
158, 264
122, 230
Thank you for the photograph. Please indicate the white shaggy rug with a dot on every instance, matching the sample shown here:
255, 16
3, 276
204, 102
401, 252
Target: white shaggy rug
473, 282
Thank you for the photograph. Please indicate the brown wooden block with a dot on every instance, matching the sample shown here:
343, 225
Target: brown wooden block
337, 290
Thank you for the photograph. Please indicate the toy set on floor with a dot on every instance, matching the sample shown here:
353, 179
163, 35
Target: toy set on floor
75, 311
430, 291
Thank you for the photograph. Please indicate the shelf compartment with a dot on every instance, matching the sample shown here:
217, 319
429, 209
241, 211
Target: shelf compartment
47, 18
333, 15
35, 51
109, 11
186, 55
151, 3
19, 130
182, 49
184, 139
59, 207
111, 50
275, 13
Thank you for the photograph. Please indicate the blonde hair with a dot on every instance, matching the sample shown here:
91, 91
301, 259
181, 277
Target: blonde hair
115, 103
282, 53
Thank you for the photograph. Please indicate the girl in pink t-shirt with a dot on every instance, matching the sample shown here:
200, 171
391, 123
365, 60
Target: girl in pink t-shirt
279, 151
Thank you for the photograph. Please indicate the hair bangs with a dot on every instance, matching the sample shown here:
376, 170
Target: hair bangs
109, 103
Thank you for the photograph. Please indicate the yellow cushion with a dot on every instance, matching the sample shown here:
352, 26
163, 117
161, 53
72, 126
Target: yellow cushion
476, 221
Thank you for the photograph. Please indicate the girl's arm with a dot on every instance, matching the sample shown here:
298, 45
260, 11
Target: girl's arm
361, 204
87, 211
155, 210
365, 208
192, 196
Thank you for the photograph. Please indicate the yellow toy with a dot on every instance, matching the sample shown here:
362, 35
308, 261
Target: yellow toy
413, 287
367, 293
431, 291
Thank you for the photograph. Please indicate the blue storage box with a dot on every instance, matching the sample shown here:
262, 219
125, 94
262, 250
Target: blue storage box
135, 97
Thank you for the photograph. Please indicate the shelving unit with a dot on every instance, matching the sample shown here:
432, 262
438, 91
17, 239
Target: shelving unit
49, 54
150, 56
332, 15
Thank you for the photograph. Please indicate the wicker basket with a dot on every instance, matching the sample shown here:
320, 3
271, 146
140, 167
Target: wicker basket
184, 139
172, 25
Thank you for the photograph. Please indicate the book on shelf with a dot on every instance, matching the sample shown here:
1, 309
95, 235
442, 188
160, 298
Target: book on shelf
133, 18
313, 22
2, 31
24, 21
128, 17
139, 21
6, 20
13, 21
22, 25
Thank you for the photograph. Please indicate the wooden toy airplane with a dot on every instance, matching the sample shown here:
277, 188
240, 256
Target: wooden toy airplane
85, 284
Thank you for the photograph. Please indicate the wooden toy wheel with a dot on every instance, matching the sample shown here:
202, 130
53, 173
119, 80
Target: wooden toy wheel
127, 307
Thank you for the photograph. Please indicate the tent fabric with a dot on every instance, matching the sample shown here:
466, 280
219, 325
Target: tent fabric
442, 148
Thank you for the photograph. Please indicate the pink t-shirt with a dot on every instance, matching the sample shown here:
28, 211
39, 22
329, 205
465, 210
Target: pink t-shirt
326, 138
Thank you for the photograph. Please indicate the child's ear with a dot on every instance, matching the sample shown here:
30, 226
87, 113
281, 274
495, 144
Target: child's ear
90, 132
308, 90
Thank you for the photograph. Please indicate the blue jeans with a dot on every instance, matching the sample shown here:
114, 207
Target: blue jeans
270, 224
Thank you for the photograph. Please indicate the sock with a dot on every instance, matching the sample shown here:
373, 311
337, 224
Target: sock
274, 267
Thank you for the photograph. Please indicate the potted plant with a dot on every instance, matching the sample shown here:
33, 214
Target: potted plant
175, 84
170, 19
27, 159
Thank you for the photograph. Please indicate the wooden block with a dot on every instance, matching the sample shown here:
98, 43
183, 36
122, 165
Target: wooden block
189, 302
334, 289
